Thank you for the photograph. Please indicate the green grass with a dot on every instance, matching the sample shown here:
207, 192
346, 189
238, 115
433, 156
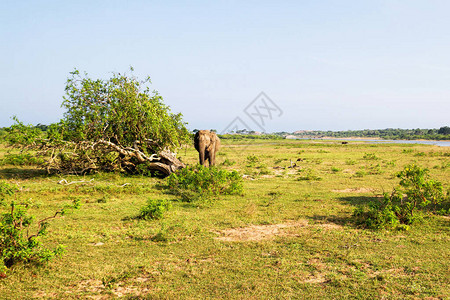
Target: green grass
316, 252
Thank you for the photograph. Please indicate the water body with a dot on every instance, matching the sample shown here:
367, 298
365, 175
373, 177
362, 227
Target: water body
371, 141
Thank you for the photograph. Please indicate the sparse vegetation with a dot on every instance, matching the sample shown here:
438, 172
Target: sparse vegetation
282, 238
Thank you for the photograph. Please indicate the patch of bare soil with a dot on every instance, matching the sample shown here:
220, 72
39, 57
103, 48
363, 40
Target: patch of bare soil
98, 290
257, 232
317, 278
263, 232
354, 190
282, 171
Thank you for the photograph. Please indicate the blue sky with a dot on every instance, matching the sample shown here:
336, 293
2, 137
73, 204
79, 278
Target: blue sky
328, 65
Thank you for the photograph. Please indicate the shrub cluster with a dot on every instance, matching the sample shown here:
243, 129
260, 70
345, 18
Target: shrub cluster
17, 244
21, 159
415, 191
199, 182
19, 240
154, 209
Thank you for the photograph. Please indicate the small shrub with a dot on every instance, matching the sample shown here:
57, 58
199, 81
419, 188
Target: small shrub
154, 209
18, 243
420, 190
252, 160
379, 215
228, 162
370, 156
420, 154
415, 191
6, 190
197, 182
335, 169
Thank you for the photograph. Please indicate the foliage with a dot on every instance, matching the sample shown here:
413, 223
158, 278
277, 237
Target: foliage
250, 136
379, 215
113, 124
444, 130
120, 109
21, 159
390, 133
6, 190
18, 243
197, 182
154, 209
415, 191
252, 160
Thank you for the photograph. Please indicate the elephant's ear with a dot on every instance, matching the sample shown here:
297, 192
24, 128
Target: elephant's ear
217, 143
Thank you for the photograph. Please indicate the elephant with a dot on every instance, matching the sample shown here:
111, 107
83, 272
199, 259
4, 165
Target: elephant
207, 143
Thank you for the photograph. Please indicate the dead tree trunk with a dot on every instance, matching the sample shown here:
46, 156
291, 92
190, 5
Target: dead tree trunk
164, 162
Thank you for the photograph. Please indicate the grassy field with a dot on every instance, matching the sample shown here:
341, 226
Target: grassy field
290, 236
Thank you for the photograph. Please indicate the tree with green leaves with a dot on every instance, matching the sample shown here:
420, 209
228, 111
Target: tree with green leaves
444, 130
113, 124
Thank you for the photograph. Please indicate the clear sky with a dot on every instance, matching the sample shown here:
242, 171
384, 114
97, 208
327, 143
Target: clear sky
328, 65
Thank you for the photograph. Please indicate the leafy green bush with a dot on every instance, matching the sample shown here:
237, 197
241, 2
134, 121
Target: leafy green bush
195, 182
21, 159
18, 241
252, 160
6, 190
335, 169
228, 162
154, 209
415, 191
17, 244
379, 215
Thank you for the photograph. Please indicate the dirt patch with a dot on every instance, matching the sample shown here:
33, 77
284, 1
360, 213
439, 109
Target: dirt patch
282, 171
257, 232
99, 291
263, 232
354, 190
317, 278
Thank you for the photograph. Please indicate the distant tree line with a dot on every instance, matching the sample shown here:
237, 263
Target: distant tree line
442, 133
235, 136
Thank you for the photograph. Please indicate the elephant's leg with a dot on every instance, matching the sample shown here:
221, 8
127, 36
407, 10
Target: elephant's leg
207, 157
201, 156
212, 158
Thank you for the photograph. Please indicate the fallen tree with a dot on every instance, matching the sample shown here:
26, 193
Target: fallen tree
109, 125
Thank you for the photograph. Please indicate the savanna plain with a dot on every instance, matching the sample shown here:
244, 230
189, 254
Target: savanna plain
290, 235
